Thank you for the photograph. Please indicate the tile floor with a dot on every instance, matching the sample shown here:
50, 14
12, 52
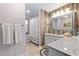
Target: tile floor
32, 50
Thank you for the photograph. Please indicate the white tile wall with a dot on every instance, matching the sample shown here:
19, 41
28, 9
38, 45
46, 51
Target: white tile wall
34, 30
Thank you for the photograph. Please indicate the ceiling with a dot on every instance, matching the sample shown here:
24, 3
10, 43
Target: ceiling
35, 7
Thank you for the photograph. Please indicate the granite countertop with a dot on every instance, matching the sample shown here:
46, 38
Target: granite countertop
69, 45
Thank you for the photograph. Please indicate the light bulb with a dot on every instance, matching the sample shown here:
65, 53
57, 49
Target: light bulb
57, 13
62, 11
54, 14
67, 9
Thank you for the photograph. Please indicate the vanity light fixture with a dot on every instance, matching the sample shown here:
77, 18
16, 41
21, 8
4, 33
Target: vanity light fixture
57, 13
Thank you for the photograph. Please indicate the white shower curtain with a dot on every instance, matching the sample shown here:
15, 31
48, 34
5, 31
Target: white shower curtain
7, 33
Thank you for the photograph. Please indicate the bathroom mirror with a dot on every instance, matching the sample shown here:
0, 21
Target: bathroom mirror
62, 23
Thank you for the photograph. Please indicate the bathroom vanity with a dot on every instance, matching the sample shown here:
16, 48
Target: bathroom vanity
64, 47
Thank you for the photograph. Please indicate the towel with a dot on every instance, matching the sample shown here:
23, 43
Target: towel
7, 33
18, 32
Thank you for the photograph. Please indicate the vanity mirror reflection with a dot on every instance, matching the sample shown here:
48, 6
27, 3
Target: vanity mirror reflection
63, 23
64, 19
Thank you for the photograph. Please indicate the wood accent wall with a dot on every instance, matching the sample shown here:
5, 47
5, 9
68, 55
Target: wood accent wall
77, 13
44, 24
